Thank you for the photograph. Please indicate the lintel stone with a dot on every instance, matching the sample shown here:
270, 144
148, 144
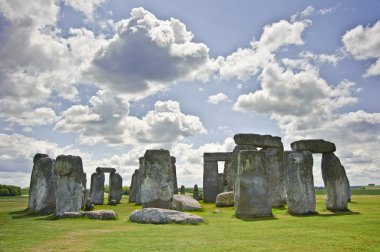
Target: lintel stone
217, 156
106, 169
261, 141
313, 145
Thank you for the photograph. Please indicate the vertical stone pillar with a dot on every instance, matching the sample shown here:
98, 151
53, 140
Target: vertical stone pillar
139, 179
183, 190
228, 181
133, 187
97, 188
210, 181
157, 179
174, 169
196, 192
221, 183
252, 194
276, 167
234, 161
68, 171
299, 182
336, 182
116, 188
41, 190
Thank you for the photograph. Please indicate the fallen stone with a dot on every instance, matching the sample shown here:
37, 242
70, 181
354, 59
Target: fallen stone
252, 188
163, 216
116, 188
101, 215
112, 202
260, 141
68, 172
299, 182
185, 203
70, 215
41, 191
97, 188
313, 145
106, 169
225, 199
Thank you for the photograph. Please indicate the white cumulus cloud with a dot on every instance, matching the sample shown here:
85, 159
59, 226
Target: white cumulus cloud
218, 98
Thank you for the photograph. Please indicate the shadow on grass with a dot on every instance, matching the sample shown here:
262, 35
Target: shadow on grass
326, 213
256, 219
25, 214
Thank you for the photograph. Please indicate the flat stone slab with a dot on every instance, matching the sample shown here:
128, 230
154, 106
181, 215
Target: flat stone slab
261, 141
217, 156
95, 215
225, 199
313, 145
185, 203
105, 169
164, 216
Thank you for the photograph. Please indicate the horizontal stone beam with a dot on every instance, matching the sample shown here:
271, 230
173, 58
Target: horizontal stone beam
106, 169
217, 156
313, 145
260, 141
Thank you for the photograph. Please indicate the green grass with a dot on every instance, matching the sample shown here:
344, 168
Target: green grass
357, 230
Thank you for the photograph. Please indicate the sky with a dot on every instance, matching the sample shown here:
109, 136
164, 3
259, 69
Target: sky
109, 79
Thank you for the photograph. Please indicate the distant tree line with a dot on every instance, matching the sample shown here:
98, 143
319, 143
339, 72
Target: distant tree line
10, 190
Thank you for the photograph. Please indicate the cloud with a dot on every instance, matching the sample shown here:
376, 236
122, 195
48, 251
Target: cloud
363, 43
147, 54
218, 98
87, 7
308, 11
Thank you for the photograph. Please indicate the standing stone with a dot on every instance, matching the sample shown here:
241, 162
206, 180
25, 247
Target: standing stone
221, 183
183, 190
116, 188
252, 188
97, 188
299, 182
336, 182
210, 181
85, 194
276, 167
41, 190
157, 179
133, 187
139, 179
68, 171
228, 182
174, 169
196, 192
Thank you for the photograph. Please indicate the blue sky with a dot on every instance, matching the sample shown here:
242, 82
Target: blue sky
107, 80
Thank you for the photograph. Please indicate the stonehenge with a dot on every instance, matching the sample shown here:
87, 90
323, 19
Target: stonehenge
116, 188
97, 186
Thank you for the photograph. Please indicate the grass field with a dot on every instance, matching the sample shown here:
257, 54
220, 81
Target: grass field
357, 230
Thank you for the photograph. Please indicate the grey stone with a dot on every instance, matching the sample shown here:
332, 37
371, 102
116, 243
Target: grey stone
174, 170
39, 156
348, 189
88, 206
97, 188
41, 190
101, 215
252, 192
260, 141
183, 190
71, 214
133, 187
68, 171
221, 183
299, 182
85, 194
275, 158
225, 199
210, 181
116, 188
157, 179
139, 179
196, 192
228, 181
185, 203
217, 156
112, 202
313, 145
106, 169
164, 216
336, 182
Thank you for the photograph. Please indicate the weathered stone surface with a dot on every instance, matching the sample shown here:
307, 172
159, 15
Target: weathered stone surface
112, 202
85, 194
42, 191
252, 192
116, 188
336, 182
157, 179
185, 203
210, 181
183, 190
68, 172
313, 145
133, 187
228, 181
139, 179
88, 206
276, 167
225, 199
221, 183
164, 216
71, 214
106, 169
196, 192
299, 182
348, 189
101, 215
174, 170
97, 188
217, 156
260, 141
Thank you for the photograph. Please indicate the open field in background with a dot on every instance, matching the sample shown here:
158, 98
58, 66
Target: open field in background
357, 230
